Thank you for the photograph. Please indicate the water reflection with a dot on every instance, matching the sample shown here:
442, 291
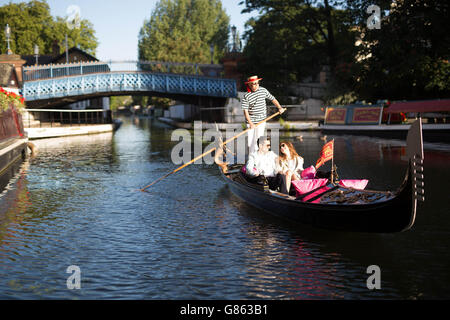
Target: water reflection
15, 201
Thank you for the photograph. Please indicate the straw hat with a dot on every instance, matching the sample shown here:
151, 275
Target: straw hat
253, 79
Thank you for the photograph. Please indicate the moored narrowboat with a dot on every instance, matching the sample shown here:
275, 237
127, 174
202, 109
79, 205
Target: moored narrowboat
390, 119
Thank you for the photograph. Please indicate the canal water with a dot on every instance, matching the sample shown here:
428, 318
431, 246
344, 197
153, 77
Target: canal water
74, 212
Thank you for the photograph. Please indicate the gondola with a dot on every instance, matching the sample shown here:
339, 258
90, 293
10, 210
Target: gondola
339, 207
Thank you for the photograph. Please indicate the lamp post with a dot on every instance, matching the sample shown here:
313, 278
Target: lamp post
36, 53
8, 37
233, 34
67, 50
211, 49
67, 56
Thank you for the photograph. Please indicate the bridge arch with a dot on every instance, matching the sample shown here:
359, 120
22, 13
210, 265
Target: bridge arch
119, 83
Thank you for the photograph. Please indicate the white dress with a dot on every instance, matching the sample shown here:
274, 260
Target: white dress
293, 165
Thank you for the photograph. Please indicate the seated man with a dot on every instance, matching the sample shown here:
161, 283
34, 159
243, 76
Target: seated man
262, 163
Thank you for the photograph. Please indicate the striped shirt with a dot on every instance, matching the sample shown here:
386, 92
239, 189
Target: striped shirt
255, 103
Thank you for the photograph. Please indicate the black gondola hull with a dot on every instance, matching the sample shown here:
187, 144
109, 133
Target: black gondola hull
393, 215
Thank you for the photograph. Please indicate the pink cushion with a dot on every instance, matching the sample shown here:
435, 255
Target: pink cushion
304, 186
309, 173
244, 170
355, 184
321, 190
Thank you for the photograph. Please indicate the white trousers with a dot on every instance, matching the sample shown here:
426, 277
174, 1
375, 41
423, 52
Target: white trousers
253, 136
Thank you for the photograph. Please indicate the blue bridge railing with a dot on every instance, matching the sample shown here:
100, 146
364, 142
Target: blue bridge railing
63, 70
127, 82
78, 79
31, 73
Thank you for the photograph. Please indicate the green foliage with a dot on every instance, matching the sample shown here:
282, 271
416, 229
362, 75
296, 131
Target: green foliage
160, 102
408, 58
286, 125
118, 101
140, 100
183, 30
291, 41
31, 23
83, 37
335, 96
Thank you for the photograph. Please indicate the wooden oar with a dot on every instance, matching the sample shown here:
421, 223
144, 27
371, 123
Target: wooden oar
208, 152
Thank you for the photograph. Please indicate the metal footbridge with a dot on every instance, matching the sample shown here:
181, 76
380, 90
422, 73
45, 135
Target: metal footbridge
84, 79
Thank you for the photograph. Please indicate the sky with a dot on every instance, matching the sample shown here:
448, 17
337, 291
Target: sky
117, 22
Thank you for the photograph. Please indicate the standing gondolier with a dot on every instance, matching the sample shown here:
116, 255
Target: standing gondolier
255, 110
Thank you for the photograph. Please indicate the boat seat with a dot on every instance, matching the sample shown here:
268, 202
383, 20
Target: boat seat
244, 179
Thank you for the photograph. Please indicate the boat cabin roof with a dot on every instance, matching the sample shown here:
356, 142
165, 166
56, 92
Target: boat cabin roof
419, 106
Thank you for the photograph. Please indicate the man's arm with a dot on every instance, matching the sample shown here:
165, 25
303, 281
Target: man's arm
245, 106
247, 117
277, 104
251, 170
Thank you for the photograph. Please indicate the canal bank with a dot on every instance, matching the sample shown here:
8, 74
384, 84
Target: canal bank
52, 123
41, 133
283, 126
13, 139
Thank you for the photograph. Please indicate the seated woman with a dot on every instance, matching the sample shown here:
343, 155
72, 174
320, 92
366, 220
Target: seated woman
289, 165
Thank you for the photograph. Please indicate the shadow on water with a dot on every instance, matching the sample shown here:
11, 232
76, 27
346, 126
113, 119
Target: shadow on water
342, 256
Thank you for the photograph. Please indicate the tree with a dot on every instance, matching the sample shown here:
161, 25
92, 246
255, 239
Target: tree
183, 30
408, 57
31, 23
279, 51
292, 40
82, 37
315, 16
